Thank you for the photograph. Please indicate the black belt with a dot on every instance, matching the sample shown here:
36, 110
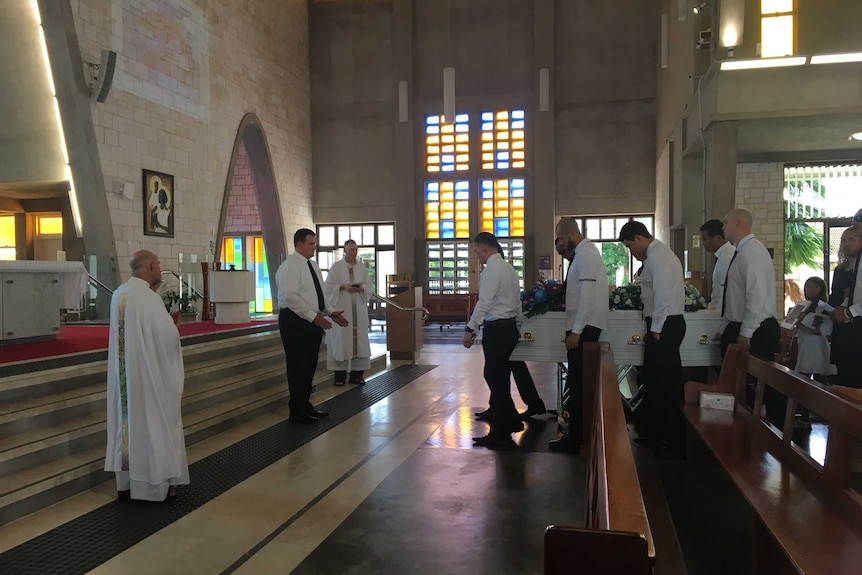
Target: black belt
649, 317
499, 321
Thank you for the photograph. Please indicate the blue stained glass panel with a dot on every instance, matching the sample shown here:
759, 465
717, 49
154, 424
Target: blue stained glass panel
460, 118
502, 165
487, 116
501, 227
447, 159
432, 196
502, 155
448, 168
488, 127
462, 195
462, 185
517, 114
433, 186
517, 183
432, 130
432, 120
518, 125
462, 128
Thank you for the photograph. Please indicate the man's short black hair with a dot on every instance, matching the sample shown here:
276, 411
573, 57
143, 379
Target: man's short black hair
300, 235
632, 229
487, 239
713, 228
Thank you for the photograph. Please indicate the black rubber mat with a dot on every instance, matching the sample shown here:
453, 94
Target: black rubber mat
33, 366
88, 541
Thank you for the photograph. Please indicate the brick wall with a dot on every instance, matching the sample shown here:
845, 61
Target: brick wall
187, 72
243, 215
760, 190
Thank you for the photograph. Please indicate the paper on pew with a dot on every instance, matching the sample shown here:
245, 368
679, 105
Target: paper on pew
819, 319
717, 400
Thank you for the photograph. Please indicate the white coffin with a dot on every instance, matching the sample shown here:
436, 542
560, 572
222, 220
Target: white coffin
625, 333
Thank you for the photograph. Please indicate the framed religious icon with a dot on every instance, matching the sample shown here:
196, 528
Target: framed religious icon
158, 204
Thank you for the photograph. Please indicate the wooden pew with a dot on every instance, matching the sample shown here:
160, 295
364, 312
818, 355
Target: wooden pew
446, 308
807, 517
617, 537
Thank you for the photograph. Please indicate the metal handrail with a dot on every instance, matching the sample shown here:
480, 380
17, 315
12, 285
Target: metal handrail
97, 283
425, 313
182, 281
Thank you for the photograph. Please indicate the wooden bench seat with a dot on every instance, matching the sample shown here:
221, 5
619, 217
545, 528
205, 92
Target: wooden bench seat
444, 308
807, 518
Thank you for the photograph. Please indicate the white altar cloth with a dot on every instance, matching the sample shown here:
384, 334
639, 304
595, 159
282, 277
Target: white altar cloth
72, 274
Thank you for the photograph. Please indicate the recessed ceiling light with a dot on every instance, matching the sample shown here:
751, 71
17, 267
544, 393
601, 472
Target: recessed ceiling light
856, 136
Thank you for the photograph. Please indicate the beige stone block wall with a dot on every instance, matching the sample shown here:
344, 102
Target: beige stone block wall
187, 72
760, 190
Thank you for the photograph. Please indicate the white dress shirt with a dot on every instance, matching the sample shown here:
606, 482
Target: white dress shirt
723, 256
296, 290
499, 294
586, 289
750, 287
662, 285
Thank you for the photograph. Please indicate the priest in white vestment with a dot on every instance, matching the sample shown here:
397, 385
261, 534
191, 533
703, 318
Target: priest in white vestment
348, 286
146, 446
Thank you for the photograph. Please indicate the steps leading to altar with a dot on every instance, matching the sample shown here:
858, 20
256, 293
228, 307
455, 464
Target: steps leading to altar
53, 422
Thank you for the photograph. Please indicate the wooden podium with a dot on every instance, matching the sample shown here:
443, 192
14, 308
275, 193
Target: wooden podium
404, 328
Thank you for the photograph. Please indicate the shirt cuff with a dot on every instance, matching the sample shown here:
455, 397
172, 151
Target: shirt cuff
746, 332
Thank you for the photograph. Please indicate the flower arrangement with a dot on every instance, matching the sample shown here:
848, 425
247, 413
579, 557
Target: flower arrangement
544, 296
628, 296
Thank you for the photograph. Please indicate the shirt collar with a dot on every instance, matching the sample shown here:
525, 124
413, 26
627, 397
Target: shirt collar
725, 248
581, 244
743, 241
492, 258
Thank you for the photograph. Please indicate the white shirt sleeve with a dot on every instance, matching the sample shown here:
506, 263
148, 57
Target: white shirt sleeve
488, 287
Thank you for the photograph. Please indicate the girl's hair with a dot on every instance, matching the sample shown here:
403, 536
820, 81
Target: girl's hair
818, 281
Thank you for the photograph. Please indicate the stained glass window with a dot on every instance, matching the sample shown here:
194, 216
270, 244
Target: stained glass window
447, 210
232, 253
776, 28
501, 210
503, 140
447, 145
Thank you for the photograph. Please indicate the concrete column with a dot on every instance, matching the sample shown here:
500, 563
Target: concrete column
721, 169
408, 258
73, 97
541, 167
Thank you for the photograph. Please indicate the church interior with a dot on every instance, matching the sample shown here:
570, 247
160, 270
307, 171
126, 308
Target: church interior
209, 131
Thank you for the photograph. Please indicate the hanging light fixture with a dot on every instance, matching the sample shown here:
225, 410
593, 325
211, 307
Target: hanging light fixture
448, 76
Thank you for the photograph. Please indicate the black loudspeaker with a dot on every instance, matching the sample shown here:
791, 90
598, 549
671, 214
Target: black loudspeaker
104, 76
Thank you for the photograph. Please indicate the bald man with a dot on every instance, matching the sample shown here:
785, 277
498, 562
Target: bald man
748, 309
146, 445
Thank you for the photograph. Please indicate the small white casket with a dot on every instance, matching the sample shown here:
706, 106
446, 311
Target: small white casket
625, 333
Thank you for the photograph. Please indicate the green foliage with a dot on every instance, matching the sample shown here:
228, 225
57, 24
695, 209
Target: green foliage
170, 297
615, 256
803, 245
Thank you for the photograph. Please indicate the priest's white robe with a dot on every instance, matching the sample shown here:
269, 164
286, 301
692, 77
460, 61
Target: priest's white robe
146, 444
347, 348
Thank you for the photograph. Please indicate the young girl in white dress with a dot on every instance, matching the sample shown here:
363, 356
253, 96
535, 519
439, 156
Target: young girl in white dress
813, 347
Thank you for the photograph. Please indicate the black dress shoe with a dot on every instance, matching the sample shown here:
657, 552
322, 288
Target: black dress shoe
564, 445
495, 440
513, 426
531, 411
318, 414
303, 418
484, 415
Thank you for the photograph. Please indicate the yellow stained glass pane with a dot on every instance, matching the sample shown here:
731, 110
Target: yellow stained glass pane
773, 6
461, 138
450, 149
517, 155
488, 166
502, 195
503, 126
48, 226
267, 305
462, 158
488, 226
488, 137
433, 159
517, 134
503, 204
433, 140
446, 197
502, 136
502, 145
447, 215
776, 36
517, 164
518, 203
487, 204
462, 207
447, 207
7, 232
433, 150
433, 216
488, 147
488, 157
518, 145
433, 168
447, 129
504, 115
462, 167
433, 234
502, 184
502, 213
448, 139
462, 148
447, 186
517, 214
516, 232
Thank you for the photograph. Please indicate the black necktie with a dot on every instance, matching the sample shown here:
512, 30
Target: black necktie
316, 287
726, 284
855, 279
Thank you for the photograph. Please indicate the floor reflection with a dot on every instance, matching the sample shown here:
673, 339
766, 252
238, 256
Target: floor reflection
461, 427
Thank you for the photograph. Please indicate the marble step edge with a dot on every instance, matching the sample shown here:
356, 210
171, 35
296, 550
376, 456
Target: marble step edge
73, 397
46, 437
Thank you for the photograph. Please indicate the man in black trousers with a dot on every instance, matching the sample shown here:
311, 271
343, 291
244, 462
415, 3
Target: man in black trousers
847, 334
663, 297
498, 310
301, 321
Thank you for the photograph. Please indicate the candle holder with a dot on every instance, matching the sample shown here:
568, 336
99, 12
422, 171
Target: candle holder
205, 312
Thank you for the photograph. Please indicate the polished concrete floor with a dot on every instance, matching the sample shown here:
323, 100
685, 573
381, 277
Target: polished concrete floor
397, 488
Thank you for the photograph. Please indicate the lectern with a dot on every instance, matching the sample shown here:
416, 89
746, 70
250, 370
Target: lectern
404, 328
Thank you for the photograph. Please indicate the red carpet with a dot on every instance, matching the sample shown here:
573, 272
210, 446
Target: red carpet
78, 338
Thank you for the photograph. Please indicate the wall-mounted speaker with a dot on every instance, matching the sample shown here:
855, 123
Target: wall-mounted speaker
104, 76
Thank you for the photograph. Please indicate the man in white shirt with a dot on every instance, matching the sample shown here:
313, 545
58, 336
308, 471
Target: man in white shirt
146, 444
663, 297
712, 236
586, 317
849, 315
748, 310
498, 310
301, 322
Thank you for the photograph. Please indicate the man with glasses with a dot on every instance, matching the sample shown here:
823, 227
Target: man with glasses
849, 316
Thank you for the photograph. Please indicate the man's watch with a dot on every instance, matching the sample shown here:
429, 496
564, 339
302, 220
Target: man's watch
468, 329
847, 313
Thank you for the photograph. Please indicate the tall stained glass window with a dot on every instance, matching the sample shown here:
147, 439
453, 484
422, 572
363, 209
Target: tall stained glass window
503, 140
447, 145
502, 207
447, 210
